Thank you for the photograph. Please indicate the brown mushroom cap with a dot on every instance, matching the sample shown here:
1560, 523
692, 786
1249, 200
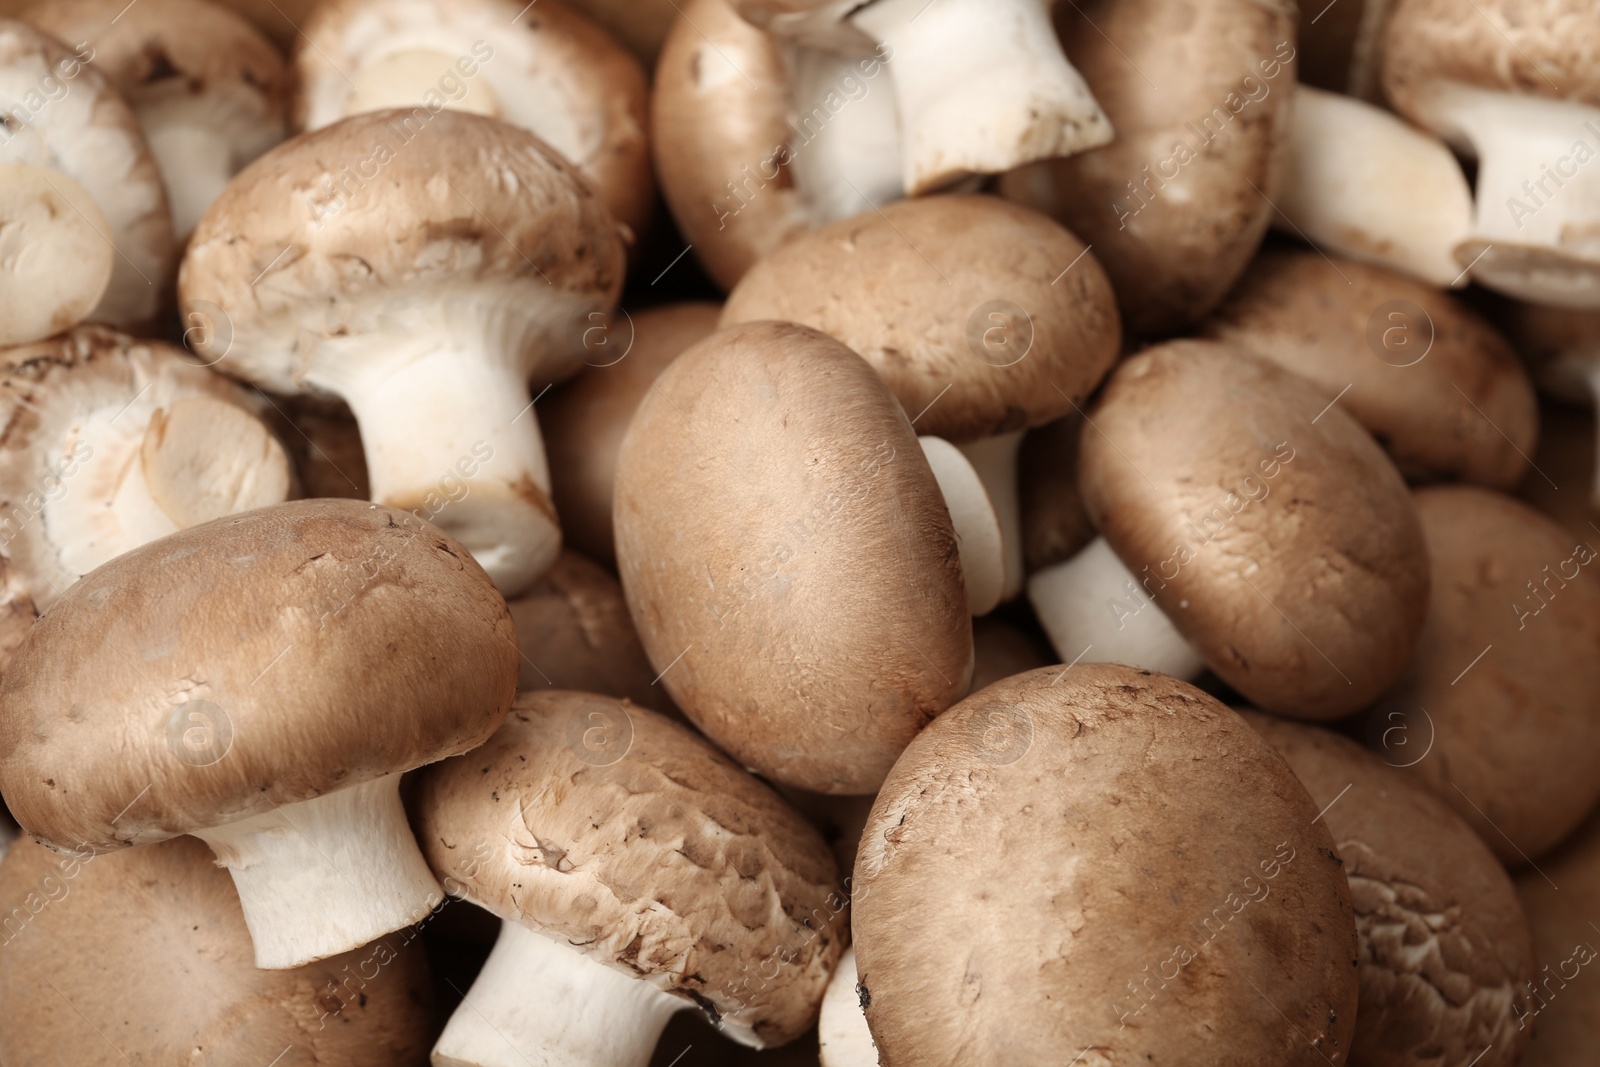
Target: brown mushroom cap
1267, 525
805, 603
142, 958
1505, 681
1562, 899
971, 294
585, 419
574, 633
1430, 379
1177, 205
1111, 861
1445, 947
390, 649
609, 850
1055, 524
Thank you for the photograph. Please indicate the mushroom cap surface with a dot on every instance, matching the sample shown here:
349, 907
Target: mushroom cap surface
1563, 1010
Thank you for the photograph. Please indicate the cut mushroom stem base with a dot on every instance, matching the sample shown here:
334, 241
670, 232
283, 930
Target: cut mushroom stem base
538, 1001
979, 535
982, 85
326, 875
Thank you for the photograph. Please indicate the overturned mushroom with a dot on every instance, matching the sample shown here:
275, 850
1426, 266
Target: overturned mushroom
54, 256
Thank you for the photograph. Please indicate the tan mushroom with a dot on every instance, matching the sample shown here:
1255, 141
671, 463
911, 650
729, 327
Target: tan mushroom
1445, 947
640, 24
278, 19
142, 957
54, 256
805, 605
1263, 521
260, 682
1438, 386
113, 442
1199, 95
547, 69
425, 296
1162, 890
638, 872
1561, 1004
210, 92
584, 420
1502, 694
58, 112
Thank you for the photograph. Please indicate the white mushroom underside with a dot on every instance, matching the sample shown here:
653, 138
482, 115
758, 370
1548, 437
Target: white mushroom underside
1094, 611
979, 535
842, 1029
55, 261
326, 875
200, 141
539, 1002
844, 135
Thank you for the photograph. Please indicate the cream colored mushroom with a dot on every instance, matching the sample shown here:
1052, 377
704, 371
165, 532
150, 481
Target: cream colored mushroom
54, 255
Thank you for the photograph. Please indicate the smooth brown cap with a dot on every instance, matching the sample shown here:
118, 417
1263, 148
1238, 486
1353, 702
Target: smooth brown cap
574, 632
1562, 899
1505, 683
1055, 524
142, 958
1113, 861
991, 301
1429, 378
583, 421
788, 557
1199, 96
286, 263
247, 663
1445, 947
1268, 526
610, 851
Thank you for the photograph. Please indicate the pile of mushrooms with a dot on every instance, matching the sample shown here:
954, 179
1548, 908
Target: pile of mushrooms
800, 533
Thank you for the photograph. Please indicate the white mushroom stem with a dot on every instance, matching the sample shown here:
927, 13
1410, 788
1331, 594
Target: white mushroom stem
1096, 611
326, 875
539, 1002
844, 136
1357, 181
55, 253
1538, 215
977, 524
982, 86
995, 460
450, 436
200, 141
845, 1039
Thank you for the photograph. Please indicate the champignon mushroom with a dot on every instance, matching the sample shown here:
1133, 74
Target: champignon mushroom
637, 870
549, 70
574, 632
142, 957
805, 607
1263, 520
1560, 1005
1199, 95
113, 442
54, 256
209, 90
426, 302
1168, 897
1431, 380
845, 1038
260, 682
1445, 947
584, 420
757, 140
981, 86
58, 112
1335, 188
1514, 88
1502, 693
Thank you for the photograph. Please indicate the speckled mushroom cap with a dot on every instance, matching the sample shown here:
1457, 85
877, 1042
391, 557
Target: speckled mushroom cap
585, 419
1199, 95
1276, 535
1562, 899
992, 301
142, 958
574, 632
62, 113
1504, 691
1445, 947
60, 400
806, 605
665, 860
1168, 895
1430, 379
546, 69
388, 646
